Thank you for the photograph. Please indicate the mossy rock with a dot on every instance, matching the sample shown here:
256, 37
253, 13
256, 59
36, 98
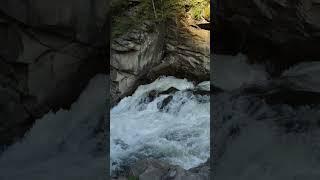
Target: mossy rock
133, 178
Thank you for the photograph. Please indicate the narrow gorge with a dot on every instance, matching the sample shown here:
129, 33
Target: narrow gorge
160, 92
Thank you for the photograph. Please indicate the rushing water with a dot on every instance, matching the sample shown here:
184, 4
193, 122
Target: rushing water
262, 134
178, 134
62, 145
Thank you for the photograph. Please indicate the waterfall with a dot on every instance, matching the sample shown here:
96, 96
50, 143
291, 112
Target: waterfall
174, 127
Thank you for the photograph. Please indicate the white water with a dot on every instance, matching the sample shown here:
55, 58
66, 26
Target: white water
232, 72
179, 135
62, 145
305, 76
266, 149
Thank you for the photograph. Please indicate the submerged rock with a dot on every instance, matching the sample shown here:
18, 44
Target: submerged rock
165, 102
171, 90
148, 169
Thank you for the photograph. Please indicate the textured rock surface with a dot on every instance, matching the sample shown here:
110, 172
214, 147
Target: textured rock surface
179, 47
157, 170
48, 52
282, 32
132, 56
188, 50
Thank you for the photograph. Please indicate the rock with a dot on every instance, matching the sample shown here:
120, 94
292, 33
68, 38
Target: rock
171, 90
292, 97
49, 51
188, 49
158, 170
204, 86
280, 32
152, 95
175, 49
201, 92
75, 19
165, 102
132, 56
215, 89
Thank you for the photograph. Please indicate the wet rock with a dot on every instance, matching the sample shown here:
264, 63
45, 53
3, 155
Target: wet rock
70, 18
171, 90
201, 92
165, 102
121, 143
152, 95
132, 56
158, 170
292, 97
46, 60
215, 89
280, 32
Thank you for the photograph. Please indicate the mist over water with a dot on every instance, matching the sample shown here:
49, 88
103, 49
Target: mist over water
253, 128
179, 133
62, 145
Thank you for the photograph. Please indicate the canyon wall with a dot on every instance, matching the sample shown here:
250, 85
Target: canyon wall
49, 50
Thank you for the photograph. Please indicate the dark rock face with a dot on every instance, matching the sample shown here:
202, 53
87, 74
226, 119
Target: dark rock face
281, 32
133, 55
187, 50
171, 90
165, 102
174, 48
158, 170
48, 53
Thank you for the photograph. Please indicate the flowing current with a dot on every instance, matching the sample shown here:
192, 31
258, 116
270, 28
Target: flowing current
62, 145
178, 133
267, 124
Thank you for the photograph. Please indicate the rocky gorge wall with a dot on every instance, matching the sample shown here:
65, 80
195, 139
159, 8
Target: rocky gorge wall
279, 32
49, 50
270, 123
178, 47
132, 55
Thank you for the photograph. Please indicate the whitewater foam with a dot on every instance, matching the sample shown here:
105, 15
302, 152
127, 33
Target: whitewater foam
178, 134
62, 145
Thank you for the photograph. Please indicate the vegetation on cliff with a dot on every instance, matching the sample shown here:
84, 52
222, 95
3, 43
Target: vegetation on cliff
127, 14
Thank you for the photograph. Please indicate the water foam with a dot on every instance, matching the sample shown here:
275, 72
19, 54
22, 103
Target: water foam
61, 145
179, 134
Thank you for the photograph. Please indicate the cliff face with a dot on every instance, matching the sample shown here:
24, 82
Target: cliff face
187, 50
177, 47
281, 32
48, 52
132, 56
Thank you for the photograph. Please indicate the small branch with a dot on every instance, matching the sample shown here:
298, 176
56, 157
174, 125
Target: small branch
154, 9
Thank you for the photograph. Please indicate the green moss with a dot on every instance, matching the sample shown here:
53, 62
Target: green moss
160, 12
199, 9
133, 178
206, 13
196, 13
121, 23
